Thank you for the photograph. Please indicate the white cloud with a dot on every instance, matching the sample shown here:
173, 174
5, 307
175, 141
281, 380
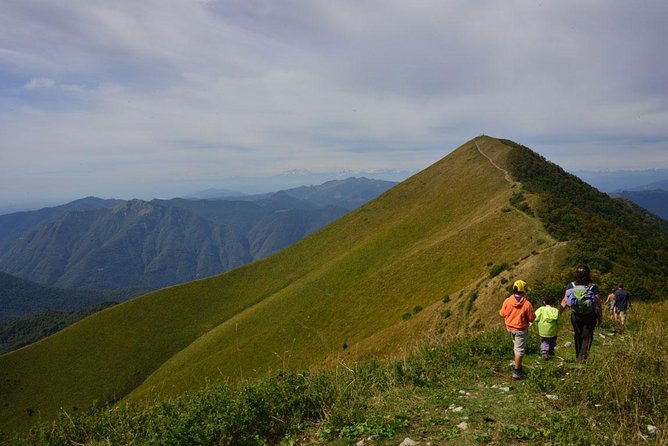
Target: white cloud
107, 92
40, 83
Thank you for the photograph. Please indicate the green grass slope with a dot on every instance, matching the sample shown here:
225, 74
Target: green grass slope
456, 393
435, 234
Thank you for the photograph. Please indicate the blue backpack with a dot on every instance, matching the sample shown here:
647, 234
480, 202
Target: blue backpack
581, 298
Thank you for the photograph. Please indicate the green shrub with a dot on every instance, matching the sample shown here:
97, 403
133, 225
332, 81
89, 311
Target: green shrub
498, 269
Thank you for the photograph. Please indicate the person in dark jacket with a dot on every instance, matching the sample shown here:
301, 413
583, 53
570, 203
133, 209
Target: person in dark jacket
583, 298
622, 303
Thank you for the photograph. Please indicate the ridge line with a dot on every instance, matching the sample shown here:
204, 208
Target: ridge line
505, 172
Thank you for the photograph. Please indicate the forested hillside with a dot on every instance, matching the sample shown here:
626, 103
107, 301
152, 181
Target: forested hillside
20, 297
621, 240
89, 244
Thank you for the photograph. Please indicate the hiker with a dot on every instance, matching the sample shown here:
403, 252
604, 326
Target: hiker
622, 303
547, 317
518, 313
583, 299
610, 304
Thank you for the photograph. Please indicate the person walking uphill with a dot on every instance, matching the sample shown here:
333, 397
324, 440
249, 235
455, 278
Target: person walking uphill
584, 301
622, 303
517, 313
547, 317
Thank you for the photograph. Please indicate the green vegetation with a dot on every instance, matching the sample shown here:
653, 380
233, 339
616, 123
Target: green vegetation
18, 333
427, 396
20, 298
611, 236
498, 269
519, 201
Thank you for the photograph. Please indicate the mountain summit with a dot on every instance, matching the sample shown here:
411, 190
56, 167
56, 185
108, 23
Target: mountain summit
430, 258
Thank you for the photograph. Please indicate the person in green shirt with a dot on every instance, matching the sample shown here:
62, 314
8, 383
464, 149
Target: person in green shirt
546, 321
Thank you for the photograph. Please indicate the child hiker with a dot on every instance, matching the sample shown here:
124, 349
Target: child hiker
518, 313
546, 321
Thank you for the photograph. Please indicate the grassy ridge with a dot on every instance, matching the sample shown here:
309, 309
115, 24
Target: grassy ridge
462, 228
433, 234
427, 397
398, 260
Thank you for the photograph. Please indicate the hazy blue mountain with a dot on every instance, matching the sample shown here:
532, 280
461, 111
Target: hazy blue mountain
620, 180
655, 201
300, 177
159, 243
657, 185
111, 244
213, 194
349, 193
12, 225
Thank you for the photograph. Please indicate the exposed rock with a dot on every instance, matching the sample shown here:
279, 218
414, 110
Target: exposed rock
407, 442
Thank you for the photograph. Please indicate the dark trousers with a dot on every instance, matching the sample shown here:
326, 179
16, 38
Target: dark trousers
583, 328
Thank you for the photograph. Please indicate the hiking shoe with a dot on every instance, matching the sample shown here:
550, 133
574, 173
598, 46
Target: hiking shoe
518, 374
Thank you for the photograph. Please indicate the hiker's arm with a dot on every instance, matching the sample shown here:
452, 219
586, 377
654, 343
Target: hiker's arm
502, 311
562, 305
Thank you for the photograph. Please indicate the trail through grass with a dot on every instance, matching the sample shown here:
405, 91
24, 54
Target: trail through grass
460, 393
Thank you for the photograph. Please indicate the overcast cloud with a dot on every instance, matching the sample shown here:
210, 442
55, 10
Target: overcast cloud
165, 97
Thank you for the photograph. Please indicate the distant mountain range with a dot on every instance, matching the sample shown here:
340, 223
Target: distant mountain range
654, 200
114, 244
620, 180
646, 188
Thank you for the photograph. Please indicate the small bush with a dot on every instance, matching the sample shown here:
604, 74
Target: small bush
472, 298
498, 269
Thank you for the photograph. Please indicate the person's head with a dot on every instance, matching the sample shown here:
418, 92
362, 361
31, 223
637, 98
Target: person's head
582, 275
520, 287
620, 286
550, 299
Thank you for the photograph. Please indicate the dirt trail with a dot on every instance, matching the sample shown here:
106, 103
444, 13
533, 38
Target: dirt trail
505, 172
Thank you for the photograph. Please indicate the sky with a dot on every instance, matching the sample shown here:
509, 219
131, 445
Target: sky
160, 98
